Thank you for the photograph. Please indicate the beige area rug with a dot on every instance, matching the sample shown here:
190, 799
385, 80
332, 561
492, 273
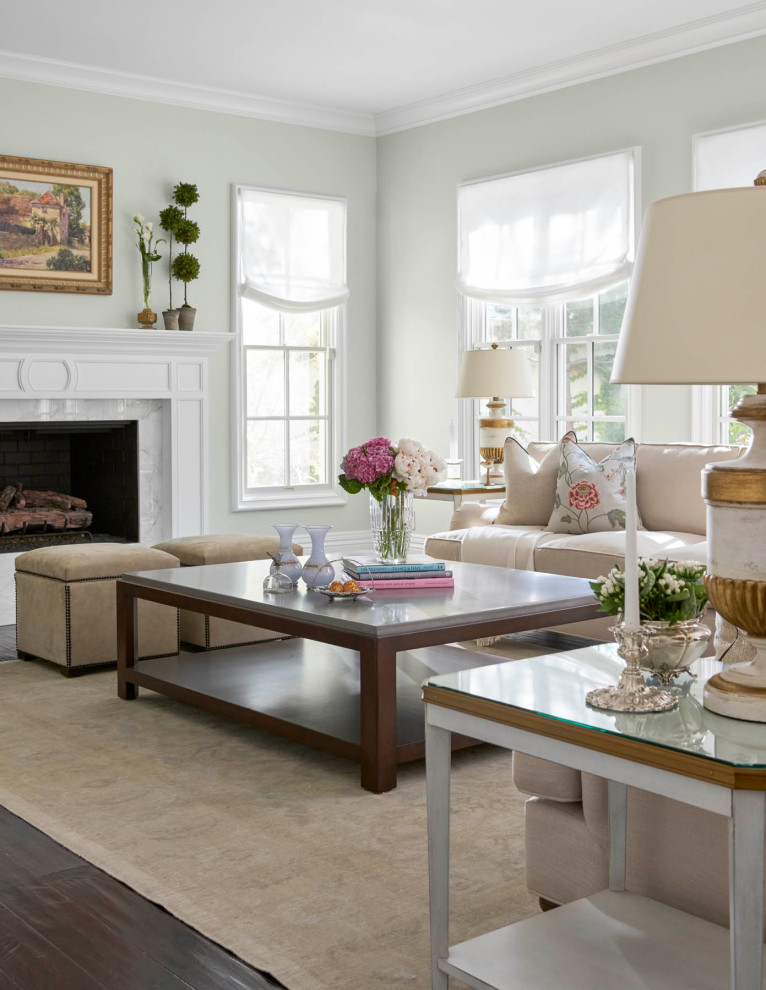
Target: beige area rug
268, 847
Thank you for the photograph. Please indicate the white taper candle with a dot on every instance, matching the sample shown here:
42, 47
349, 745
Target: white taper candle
632, 615
452, 441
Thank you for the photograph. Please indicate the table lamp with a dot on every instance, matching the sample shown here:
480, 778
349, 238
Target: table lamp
497, 372
696, 314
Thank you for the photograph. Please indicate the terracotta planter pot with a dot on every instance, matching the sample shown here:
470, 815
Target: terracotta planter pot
186, 316
170, 316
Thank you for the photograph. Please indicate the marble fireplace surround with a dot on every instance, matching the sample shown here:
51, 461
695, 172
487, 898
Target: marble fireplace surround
157, 377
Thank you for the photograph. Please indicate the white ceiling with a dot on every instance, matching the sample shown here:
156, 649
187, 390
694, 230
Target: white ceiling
354, 64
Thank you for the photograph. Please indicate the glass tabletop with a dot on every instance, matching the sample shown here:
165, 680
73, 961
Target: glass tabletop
555, 687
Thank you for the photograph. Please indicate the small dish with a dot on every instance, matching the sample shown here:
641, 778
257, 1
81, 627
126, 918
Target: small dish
332, 595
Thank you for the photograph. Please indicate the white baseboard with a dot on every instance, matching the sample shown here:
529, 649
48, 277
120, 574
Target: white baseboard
360, 541
346, 543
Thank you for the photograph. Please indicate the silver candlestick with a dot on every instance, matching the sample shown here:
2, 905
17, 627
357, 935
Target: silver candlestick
631, 693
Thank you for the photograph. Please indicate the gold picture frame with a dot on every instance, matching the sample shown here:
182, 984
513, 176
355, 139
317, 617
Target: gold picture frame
55, 226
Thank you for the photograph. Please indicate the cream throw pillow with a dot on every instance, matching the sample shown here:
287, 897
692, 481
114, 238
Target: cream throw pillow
530, 485
590, 497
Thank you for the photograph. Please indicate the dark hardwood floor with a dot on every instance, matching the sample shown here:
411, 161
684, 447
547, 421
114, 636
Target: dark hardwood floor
65, 925
8, 643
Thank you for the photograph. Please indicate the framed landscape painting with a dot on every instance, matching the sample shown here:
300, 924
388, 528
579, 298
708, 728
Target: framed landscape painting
55, 226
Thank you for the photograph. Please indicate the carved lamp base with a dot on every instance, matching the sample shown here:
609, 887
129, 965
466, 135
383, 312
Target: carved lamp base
735, 493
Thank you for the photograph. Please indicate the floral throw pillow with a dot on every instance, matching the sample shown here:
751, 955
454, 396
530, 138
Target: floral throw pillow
590, 497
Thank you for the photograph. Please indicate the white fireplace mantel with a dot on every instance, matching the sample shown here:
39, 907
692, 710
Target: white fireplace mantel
54, 364
108, 340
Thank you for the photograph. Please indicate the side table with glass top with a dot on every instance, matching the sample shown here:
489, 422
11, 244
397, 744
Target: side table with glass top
613, 938
465, 491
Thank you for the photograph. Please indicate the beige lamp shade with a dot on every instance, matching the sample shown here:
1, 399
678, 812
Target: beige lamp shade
496, 371
696, 310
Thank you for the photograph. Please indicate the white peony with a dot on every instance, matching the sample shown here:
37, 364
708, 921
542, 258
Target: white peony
416, 468
407, 446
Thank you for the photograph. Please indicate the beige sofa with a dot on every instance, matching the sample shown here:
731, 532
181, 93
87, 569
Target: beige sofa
676, 854
668, 493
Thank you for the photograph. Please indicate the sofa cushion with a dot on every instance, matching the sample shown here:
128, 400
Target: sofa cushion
590, 555
447, 545
530, 485
590, 496
669, 484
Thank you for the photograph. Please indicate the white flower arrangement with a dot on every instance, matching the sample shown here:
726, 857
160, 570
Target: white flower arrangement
415, 467
669, 591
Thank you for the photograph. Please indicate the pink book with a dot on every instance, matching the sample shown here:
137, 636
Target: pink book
386, 584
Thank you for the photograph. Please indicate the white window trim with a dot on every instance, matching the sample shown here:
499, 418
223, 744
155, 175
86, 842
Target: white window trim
301, 496
705, 414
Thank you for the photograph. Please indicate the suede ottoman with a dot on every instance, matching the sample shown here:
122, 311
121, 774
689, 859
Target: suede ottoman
66, 605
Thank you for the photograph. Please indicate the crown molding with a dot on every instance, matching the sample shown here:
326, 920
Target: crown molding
52, 72
699, 35
745, 22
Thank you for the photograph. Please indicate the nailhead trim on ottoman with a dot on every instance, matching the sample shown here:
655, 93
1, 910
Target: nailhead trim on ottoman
66, 605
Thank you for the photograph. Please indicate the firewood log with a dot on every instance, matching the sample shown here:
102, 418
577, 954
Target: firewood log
14, 520
46, 500
5, 497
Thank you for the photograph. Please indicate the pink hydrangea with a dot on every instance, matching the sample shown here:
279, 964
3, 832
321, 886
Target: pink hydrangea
369, 462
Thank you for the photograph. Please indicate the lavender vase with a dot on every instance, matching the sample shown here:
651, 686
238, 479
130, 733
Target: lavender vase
288, 562
318, 570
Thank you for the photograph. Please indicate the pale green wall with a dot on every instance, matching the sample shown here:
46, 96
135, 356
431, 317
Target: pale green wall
151, 146
658, 108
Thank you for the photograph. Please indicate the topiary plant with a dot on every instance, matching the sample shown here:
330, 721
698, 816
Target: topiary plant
186, 267
170, 218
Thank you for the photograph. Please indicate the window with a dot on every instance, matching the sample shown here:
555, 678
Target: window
723, 160
290, 297
544, 261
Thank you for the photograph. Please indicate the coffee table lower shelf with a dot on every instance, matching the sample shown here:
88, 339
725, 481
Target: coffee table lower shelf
301, 690
598, 943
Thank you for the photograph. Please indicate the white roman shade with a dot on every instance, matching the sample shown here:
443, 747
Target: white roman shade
294, 250
548, 234
729, 158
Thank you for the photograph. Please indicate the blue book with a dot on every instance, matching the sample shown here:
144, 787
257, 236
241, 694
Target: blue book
360, 574
371, 565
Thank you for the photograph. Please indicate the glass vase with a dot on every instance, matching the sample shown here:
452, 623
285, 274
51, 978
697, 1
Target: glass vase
392, 521
318, 571
288, 562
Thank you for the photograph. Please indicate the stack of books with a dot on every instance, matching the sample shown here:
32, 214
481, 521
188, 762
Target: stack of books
419, 573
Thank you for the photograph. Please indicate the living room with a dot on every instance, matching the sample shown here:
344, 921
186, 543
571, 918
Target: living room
268, 847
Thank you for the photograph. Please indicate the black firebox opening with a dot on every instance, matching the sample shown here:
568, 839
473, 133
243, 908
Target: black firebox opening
95, 461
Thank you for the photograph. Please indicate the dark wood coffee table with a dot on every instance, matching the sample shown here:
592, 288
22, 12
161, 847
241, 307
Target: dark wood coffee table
355, 695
